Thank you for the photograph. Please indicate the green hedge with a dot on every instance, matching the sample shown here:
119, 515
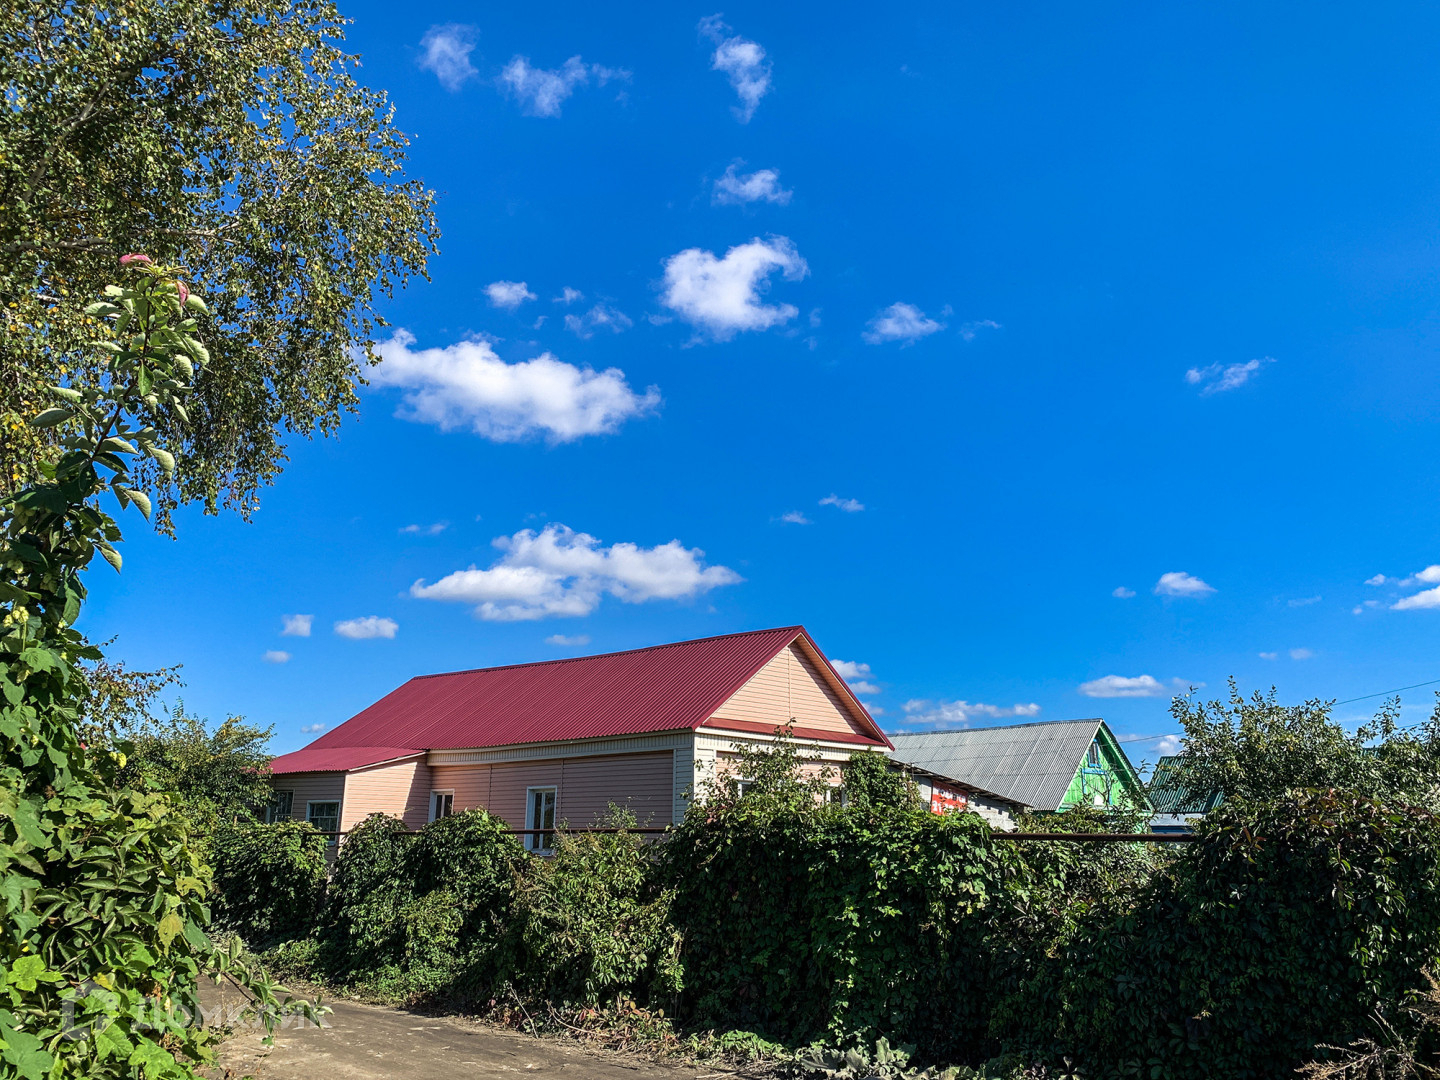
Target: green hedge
1286, 926
269, 879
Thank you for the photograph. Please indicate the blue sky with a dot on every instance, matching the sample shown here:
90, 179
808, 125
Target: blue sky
1043, 360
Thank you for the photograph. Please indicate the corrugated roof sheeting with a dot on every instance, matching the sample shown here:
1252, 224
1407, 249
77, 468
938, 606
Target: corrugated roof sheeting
1030, 763
662, 688
338, 759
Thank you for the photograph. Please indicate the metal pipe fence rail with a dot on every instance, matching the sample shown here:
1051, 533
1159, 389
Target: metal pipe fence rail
1081, 837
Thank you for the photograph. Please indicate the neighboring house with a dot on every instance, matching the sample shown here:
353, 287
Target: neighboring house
944, 794
560, 740
1046, 766
1177, 808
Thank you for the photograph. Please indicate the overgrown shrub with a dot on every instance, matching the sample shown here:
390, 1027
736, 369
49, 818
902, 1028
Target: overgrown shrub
420, 914
829, 923
1287, 925
269, 879
592, 923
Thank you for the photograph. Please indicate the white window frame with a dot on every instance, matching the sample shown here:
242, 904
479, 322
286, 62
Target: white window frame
271, 808
435, 797
532, 840
310, 816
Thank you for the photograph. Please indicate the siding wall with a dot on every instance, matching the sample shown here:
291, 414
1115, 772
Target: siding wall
585, 786
401, 790
789, 686
311, 787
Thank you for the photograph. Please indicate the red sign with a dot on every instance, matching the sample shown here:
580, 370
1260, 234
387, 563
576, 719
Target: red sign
941, 801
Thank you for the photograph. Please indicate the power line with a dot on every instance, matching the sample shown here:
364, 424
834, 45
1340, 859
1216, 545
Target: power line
1347, 701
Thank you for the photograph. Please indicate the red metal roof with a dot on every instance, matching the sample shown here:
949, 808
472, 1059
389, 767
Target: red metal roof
661, 688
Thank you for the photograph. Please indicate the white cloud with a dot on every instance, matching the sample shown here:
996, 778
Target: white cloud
1218, 378
743, 61
559, 572
722, 296
1268, 655
1430, 598
568, 296
599, 317
568, 640
901, 322
858, 675
296, 625
366, 627
922, 713
276, 656
850, 506
795, 517
1169, 744
447, 54
541, 92
1124, 686
1301, 654
1357, 610
508, 294
466, 385
1430, 576
1303, 601
312, 729
1378, 579
762, 185
1120, 592
1179, 583
426, 530
970, 329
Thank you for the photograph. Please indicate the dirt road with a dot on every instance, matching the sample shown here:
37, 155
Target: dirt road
361, 1042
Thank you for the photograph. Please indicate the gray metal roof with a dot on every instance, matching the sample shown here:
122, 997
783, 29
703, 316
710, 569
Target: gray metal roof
1029, 763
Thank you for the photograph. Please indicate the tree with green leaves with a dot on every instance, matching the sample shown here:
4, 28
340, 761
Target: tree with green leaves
1255, 749
227, 136
103, 942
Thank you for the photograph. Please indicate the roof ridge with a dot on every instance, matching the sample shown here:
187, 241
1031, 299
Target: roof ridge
1001, 727
600, 656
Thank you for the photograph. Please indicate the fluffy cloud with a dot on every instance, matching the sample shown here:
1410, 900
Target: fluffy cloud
1168, 744
744, 63
1120, 592
901, 322
1218, 378
447, 52
568, 640
599, 317
296, 625
858, 675
313, 729
568, 296
1428, 598
1301, 654
1378, 579
762, 185
508, 294
426, 530
276, 656
467, 386
1179, 583
541, 92
366, 627
722, 296
795, 517
943, 714
850, 506
559, 572
1124, 686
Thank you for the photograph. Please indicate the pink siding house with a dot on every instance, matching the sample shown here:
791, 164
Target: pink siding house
559, 741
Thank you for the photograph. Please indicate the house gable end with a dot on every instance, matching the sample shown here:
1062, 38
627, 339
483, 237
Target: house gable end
797, 685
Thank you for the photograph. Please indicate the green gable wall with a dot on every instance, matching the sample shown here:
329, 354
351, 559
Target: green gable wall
1114, 780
